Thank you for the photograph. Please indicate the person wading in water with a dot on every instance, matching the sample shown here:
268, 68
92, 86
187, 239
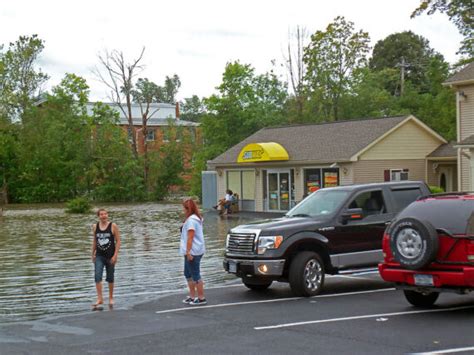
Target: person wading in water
105, 249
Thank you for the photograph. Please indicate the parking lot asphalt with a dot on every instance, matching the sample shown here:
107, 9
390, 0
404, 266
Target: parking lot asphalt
355, 314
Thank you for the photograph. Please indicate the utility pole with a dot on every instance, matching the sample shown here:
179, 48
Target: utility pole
402, 66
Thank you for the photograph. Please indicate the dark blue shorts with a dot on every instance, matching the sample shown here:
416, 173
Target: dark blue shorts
100, 263
192, 269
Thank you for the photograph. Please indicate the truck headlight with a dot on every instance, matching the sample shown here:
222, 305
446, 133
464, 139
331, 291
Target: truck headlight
272, 242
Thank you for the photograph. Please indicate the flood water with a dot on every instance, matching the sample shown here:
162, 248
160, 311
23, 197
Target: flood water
46, 267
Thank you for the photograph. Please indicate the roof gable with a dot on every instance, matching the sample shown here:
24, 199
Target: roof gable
464, 76
389, 135
324, 143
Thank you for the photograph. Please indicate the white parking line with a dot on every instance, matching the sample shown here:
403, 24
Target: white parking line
355, 293
287, 325
189, 308
177, 290
352, 277
447, 351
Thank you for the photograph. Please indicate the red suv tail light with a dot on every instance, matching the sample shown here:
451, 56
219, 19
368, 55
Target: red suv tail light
470, 251
387, 253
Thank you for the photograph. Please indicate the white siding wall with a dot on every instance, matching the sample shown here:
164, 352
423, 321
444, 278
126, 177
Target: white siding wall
368, 171
299, 186
409, 141
346, 178
259, 191
466, 123
465, 173
221, 183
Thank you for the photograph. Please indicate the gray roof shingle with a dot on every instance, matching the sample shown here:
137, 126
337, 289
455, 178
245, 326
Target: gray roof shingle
467, 141
444, 151
465, 74
326, 142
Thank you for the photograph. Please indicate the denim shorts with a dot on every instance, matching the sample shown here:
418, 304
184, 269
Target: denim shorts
192, 269
100, 263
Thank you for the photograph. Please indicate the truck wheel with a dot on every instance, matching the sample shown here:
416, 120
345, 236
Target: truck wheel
414, 243
306, 274
419, 299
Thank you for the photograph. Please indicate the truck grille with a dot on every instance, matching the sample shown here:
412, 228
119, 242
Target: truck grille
242, 244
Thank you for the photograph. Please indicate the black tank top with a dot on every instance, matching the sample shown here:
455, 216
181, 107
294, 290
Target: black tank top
105, 241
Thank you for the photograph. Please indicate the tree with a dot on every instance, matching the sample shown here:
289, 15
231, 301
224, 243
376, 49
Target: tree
412, 55
296, 69
169, 162
369, 97
192, 109
119, 76
167, 92
331, 58
64, 152
20, 81
245, 103
461, 13
114, 174
145, 93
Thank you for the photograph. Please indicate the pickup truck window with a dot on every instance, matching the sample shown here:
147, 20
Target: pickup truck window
403, 197
371, 202
321, 202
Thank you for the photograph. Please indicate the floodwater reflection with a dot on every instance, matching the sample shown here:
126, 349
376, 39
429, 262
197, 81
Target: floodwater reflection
45, 257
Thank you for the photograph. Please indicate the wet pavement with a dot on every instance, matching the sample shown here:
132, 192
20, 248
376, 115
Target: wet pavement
45, 265
354, 315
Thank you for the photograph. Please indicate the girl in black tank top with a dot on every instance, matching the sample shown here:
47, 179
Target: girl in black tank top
105, 241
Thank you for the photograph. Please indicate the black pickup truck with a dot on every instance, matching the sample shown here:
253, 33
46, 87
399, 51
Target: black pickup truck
331, 231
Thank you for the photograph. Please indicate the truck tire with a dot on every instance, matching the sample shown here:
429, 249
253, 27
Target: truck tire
414, 243
306, 275
419, 299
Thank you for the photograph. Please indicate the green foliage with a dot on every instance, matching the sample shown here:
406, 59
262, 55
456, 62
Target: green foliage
332, 57
414, 53
64, 152
78, 205
461, 13
168, 165
436, 190
192, 109
20, 81
246, 103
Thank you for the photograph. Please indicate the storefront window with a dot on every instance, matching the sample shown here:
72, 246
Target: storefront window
248, 185
315, 179
242, 183
234, 182
330, 177
312, 180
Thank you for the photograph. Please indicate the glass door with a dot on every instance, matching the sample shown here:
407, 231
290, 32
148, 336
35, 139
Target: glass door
279, 190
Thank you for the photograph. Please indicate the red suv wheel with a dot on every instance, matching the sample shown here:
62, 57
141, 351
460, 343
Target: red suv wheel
414, 243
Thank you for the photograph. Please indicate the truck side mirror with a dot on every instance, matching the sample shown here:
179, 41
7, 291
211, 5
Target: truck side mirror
352, 214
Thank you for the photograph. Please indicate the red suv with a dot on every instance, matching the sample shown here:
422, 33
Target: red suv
429, 248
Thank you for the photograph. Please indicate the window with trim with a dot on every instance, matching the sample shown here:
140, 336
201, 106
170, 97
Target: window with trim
242, 182
150, 135
396, 175
316, 178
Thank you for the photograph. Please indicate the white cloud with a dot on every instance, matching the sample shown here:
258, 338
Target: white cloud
195, 39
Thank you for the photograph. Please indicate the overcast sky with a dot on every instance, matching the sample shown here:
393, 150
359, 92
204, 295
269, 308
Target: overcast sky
195, 39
